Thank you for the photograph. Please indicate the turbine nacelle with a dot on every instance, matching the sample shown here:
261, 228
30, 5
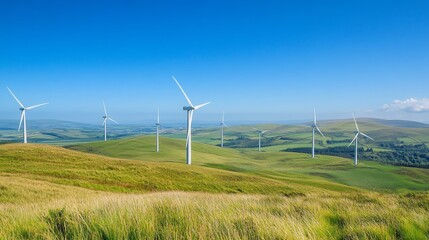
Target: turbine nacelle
189, 108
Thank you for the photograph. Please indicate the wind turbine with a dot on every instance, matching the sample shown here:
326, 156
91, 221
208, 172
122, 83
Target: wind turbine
358, 132
23, 116
157, 133
222, 125
190, 112
260, 133
315, 127
106, 117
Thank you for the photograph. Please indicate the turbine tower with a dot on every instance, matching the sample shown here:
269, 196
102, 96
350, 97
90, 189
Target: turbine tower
190, 112
23, 116
260, 133
222, 125
106, 117
358, 132
315, 127
157, 133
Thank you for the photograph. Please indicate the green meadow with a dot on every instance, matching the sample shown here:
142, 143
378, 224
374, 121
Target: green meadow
276, 165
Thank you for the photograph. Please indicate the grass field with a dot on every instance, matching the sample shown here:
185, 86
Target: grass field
276, 165
123, 189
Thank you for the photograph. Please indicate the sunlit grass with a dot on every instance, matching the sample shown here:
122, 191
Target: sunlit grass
179, 215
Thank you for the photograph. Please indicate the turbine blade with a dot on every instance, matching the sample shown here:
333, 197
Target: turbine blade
225, 125
104, 122
20, 104
201, 105
264, 131
112, 120
186, 96
353, 139
22, 118
39, 105
357, 128
320, 131
363, 134
104, 106
158, 116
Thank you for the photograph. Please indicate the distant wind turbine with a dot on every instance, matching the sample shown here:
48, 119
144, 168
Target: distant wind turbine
260, 133
222, 125
23, 116
157, 133
190, 111
106, 117
358, 132
315, 127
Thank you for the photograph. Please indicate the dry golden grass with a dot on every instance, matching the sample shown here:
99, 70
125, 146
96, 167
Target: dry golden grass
181, 215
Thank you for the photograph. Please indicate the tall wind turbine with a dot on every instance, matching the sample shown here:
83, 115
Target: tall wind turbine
157, 133
190, 111
23, 116
222, 125
260, 133
315, 127
106, 117
358, 132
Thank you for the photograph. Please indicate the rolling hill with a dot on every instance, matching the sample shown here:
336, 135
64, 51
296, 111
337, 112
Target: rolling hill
49, 192
283, 166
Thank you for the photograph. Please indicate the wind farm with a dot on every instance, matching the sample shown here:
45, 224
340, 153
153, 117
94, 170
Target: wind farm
252, 159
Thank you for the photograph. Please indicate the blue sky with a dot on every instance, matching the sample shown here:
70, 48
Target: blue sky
255, 60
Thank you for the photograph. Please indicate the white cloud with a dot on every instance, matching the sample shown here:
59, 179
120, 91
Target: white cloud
408, 105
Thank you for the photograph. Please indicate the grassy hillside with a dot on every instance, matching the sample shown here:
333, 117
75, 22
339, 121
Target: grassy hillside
71, 168
282, 166
53, 193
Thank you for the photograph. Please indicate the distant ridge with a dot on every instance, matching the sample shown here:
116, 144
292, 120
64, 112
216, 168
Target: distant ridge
397, 123
390, 123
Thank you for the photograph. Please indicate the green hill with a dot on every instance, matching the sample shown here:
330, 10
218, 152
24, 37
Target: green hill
50, 192
72, 168
403, 143
284, 166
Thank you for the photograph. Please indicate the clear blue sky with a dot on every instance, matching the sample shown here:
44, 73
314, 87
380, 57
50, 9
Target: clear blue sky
255, 60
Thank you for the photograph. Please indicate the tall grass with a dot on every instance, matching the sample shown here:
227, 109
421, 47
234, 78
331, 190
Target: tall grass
180, 215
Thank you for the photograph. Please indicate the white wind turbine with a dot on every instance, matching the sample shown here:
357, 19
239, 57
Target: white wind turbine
358, 132
23, 116
222, 125
157, 133
260, 133
190, 111
315, 127
106, 117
